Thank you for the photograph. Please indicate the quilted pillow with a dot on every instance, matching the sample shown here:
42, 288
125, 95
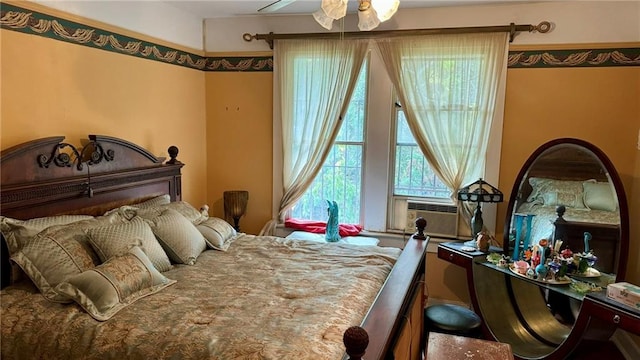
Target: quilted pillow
55, 253
600, 196
153, 202
218, 233
18, 232
113, 240
552, 192
194, 215
119, 282
156, 201
178, 236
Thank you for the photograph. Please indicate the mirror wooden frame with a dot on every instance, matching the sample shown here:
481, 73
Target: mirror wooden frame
614, 178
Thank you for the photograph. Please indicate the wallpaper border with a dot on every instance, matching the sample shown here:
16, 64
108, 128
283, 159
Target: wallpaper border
574, 58
31, 22
36, 23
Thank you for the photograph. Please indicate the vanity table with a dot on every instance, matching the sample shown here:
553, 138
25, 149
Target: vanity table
513, 311
549, 319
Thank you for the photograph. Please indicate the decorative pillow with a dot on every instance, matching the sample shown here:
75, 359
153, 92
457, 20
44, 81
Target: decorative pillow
599, 196
218, 233
178, 236
113, 240
119, 282
194, 215
56, 253
156, 201
187, 210
551, 192
153, 202
18, 232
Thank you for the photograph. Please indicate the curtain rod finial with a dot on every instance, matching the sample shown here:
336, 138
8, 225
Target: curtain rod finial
248, 37
543, 27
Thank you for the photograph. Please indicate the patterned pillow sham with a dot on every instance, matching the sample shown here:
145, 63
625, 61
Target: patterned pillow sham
119, 282
113, 240
18, 232
218, 233
600, 196
153, 202
552, 192
194, 215
57, 252
178, 236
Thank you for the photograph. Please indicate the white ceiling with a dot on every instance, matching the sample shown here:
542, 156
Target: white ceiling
207, 9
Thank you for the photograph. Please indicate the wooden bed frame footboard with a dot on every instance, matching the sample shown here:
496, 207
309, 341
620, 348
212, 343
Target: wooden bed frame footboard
395, 322
47, 177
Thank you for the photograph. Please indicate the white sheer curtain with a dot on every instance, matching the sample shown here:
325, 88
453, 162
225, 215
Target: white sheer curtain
316, 79
448, 86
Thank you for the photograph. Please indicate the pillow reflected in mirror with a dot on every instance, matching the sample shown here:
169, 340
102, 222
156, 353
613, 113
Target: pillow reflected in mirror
599, 196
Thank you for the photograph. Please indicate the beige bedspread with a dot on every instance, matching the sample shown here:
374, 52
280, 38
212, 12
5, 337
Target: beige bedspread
266, 298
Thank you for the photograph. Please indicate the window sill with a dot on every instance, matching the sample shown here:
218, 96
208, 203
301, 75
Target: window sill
386, 238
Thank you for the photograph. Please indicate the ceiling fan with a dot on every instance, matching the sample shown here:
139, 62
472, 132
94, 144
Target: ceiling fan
275, 6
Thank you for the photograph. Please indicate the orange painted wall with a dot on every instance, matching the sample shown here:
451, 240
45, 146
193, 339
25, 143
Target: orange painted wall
51, 87
599, 105
239, 142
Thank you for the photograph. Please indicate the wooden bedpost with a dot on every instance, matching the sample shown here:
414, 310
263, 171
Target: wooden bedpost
355, 340
421, 224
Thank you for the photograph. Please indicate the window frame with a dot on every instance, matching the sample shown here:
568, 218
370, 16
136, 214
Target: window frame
377, 204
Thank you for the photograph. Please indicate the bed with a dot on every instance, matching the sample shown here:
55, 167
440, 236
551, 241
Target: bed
234, 295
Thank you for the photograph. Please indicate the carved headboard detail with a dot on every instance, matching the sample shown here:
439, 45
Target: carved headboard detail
47, 176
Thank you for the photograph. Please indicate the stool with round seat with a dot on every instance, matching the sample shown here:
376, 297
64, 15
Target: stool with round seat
452, 319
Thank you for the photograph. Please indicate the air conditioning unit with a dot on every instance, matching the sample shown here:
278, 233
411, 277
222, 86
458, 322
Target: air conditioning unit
442, 219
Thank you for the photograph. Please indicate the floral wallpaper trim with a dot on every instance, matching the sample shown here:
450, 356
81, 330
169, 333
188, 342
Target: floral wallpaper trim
35, 23
26, 21
574, 58
233, 63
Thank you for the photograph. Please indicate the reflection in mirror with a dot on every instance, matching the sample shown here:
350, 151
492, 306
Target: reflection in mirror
578, 178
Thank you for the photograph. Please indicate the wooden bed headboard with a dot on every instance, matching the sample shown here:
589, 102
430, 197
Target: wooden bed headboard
47, 176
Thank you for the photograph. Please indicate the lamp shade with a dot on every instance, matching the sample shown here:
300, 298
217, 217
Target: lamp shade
385, 8
322, 19
334, 9
480, 191
367, 19
235, 203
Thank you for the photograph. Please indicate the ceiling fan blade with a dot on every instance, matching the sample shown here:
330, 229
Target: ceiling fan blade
275, 6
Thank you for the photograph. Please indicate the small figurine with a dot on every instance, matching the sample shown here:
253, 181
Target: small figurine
332, 232
482, 241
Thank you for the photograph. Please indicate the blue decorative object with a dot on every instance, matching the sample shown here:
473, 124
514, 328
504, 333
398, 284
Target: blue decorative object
587, 238
332, 233
516, 243
524, 222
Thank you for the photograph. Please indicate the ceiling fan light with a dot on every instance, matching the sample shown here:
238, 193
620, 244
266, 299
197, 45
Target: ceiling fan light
385, 8
322, 19
334, 9
368, 19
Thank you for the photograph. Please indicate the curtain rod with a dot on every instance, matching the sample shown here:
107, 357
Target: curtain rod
512, 29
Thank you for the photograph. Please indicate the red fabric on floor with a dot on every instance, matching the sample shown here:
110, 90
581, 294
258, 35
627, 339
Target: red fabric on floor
319, 227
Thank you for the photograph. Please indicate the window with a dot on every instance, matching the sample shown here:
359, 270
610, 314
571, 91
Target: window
375, 166
340, 178
412, 176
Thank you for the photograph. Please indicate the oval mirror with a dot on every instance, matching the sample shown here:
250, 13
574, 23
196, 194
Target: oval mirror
576, 180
